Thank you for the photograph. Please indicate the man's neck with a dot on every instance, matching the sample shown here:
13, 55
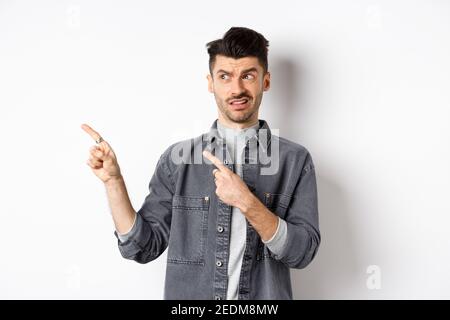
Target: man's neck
236, 138
236, 125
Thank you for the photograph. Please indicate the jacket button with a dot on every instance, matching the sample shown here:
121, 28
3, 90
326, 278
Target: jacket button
218, 263
217, 298
225, 161
220, 228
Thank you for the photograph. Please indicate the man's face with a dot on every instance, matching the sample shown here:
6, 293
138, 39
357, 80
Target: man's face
238, 86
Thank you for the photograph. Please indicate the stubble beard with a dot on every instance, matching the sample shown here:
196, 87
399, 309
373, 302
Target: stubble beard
240, 116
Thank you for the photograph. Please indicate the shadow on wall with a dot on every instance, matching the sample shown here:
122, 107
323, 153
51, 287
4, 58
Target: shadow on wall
334, 271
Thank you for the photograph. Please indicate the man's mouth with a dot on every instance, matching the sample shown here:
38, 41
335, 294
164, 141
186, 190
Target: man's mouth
238, 104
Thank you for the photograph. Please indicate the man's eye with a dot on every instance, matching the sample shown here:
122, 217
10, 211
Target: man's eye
249, 76
222, 76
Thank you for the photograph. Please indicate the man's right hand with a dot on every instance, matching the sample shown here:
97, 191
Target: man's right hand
102, 160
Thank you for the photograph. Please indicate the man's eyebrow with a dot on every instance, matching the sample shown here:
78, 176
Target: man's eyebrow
252, 69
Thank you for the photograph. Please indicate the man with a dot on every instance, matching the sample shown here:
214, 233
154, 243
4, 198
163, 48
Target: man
233, 222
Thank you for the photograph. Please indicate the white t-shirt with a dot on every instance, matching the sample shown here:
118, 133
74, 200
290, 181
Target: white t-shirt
235, 141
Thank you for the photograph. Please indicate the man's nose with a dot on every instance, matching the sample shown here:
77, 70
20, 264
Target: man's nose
237, 87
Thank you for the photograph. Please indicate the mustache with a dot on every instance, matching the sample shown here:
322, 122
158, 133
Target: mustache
242, 96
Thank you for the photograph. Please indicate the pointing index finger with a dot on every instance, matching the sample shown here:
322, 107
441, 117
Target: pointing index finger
94, 134
216, 161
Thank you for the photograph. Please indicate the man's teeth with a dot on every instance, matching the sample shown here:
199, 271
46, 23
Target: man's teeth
239, 102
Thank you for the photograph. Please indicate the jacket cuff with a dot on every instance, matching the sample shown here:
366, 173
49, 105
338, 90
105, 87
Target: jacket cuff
131, 232
277, 243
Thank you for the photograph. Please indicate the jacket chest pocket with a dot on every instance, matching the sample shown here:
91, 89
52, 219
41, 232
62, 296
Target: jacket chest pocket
277, 202
189, 226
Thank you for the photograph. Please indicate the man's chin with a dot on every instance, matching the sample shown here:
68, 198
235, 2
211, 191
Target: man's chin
239, 118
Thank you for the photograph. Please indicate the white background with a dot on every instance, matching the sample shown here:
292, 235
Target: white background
364, 85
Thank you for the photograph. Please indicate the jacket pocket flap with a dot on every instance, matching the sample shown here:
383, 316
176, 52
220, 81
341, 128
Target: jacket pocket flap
191, 202
274, 200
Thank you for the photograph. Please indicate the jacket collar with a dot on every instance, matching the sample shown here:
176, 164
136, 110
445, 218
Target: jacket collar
263, 134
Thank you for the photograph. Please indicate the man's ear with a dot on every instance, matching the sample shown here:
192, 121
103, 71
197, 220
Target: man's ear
266, 81
210, 83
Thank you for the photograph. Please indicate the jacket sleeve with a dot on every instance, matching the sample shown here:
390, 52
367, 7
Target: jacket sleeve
149, 236
302, 218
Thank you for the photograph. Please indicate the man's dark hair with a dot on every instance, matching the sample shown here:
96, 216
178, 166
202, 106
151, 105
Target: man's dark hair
239, 42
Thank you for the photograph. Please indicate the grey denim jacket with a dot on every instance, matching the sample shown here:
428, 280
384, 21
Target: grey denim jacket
182, 212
